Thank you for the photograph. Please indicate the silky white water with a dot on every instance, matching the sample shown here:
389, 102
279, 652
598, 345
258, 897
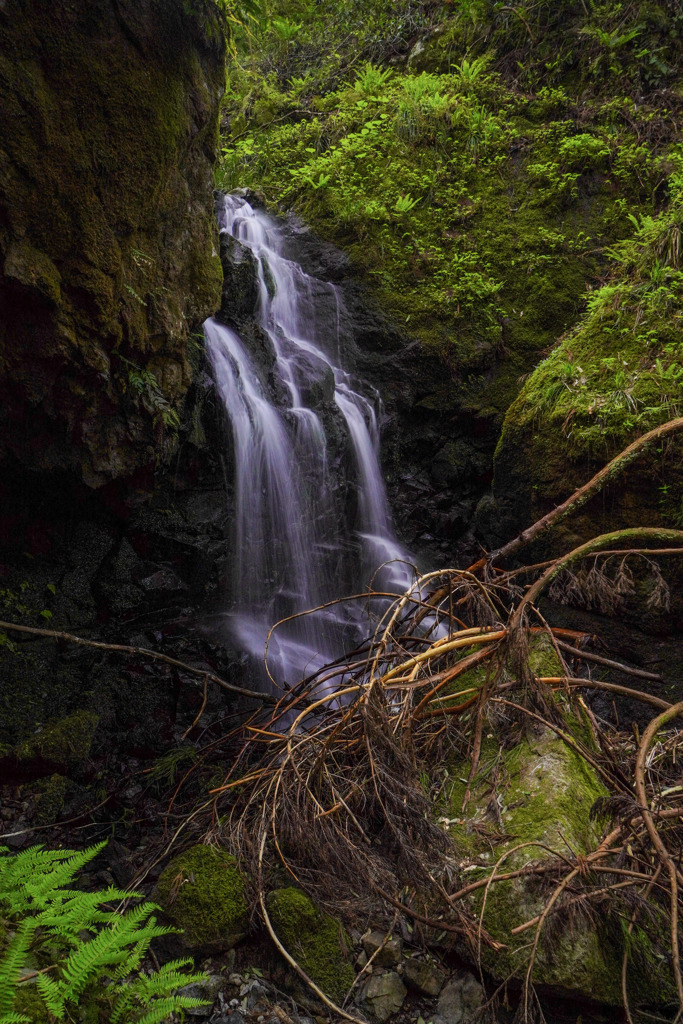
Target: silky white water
300, 538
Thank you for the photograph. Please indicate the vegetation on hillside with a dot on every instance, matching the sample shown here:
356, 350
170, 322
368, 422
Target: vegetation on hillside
477, 160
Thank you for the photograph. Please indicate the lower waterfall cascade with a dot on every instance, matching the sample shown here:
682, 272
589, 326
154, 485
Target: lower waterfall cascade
305, 530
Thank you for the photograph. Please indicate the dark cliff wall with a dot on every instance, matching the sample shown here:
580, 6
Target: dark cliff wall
107, 247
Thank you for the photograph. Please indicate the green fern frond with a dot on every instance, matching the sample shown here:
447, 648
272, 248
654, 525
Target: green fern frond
52, 995
12, 963
109, 950
89, 961
163, 982
29, 880
74, 912
144, 988
161, 1010
34, 890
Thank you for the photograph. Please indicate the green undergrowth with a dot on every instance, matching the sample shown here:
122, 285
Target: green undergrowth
619, 372
476, 195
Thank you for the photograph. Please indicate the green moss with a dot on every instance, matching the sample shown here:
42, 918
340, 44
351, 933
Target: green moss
107, 277
476, 213
50, 800
93, 1006
66, 741
34, 269
203, 892
545, 792
29, 1002
317, 942
615, 376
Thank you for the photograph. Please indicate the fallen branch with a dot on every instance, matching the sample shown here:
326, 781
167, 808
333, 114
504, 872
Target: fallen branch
144, 652
583, 494
590, 547
595, 684
599, 660
666, 858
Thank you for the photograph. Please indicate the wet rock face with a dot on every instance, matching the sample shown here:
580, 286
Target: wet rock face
135, 565
107, 246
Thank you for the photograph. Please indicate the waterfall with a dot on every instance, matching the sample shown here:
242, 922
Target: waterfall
299, 541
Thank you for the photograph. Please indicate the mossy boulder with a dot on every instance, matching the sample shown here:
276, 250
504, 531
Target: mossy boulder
544, 793
318, 943
613, 377
50, 799
203, 892
63, 743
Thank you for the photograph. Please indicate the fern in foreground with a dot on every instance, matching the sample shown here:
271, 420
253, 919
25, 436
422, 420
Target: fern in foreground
72, 947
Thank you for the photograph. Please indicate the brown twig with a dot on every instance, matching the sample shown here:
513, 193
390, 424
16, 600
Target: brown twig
594, 485
142, 652
599, 660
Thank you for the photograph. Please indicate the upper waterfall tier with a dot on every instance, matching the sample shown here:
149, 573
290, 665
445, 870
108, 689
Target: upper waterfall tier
309, 527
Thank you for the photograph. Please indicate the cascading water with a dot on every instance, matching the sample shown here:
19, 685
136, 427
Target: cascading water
296, 542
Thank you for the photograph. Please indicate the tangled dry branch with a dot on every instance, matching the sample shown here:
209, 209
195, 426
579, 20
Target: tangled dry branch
338, 765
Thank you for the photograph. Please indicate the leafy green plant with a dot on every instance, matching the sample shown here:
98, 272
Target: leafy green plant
583, 152
286, 30
372, 80
404, 204
74, 950
468, 72
145, 387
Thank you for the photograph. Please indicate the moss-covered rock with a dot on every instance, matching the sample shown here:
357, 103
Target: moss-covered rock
615, 376
317, 942
63, 743
544, 792
108, 255
202, 891
50, 799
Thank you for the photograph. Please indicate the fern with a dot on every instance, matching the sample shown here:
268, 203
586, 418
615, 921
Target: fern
155, 991
161, 1010
31, 880
12, 962
78, 912
92, 949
